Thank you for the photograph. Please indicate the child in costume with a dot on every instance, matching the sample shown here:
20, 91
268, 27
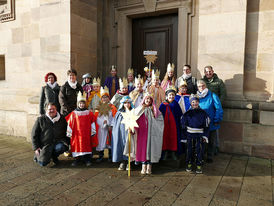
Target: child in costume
112, 82
104, 114
120, 136
87, 84
147, 78
149, 135
182, 97
169, 78
157, 92
130, 79
172, 113
138, 93
123, 91
95, 96
195, 123
81, 129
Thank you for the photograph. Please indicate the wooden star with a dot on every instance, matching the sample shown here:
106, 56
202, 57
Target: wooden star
129, 119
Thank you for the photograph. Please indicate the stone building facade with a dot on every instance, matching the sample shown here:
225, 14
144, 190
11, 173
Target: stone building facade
235, 37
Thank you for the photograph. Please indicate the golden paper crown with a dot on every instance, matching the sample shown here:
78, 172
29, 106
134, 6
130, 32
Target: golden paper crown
123, 83
96, 82
193, 97
155, 74
81, 97
147, 94
113, 67
171, 88
104, 91
130, 71
182, 83
146, 69
139, 80
170, 67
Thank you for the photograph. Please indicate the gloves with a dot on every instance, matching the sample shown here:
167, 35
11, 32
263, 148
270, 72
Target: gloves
205, 139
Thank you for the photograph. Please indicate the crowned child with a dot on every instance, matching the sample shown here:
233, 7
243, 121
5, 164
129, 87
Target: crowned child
169, 78
123, 91
130, 79
138, 93
182, 97
95, 96
112, 81
87, 84
105, 114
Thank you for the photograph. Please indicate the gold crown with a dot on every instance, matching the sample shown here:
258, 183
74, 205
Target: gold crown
147, 94
104, 91
96, 82
113, 67
193, 97
182, 83
171, 88
81, 97
155, 74
123, 83
130, 71
146, 69
139, 80
170, 67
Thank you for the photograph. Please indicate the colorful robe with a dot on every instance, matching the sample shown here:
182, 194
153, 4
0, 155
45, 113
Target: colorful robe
117, 98
93, 100
137, 97
103, 134
149, 135
183, 101
108, 83
87, 89
130, 87
119, 143
172, 128
81, 129
158, 95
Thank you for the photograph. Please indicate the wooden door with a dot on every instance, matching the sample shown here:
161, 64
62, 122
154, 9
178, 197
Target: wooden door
155, 33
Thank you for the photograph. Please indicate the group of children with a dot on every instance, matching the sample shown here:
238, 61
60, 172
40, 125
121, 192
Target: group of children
170, 123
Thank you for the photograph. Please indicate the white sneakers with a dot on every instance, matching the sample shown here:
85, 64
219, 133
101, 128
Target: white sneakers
146, 169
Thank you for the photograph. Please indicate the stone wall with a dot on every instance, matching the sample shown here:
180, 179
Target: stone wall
84, 36
36, 42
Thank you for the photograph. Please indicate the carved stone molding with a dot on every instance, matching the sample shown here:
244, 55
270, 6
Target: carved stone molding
7, 10
150, 5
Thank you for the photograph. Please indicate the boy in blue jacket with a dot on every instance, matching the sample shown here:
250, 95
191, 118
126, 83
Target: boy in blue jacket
195, 123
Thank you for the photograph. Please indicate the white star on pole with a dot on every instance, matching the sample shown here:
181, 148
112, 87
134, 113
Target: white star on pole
129, 119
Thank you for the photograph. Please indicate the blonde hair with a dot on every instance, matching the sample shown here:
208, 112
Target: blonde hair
200, 81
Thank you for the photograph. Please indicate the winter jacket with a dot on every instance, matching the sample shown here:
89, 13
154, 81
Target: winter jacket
49, 95
45, 134
217, 86
213, 107
191, 84
68, 98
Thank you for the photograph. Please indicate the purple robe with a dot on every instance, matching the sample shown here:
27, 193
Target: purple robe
108, 83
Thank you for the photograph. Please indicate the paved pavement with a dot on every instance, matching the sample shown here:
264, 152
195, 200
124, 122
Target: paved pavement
230, 180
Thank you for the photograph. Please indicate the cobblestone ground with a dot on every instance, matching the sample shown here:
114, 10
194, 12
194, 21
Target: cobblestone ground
230, 180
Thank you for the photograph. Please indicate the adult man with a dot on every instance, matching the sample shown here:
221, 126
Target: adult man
49, 136
190, 80
214, 84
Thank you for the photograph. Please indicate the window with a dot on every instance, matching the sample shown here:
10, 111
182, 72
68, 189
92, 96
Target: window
2, 67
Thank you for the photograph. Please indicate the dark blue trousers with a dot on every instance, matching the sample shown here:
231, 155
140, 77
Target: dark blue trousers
198, 141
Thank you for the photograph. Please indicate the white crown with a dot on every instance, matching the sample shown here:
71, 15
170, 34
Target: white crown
182, 82
81, 97
170, 67
155, 74
104, 91
96, 82
139, 80
123, 83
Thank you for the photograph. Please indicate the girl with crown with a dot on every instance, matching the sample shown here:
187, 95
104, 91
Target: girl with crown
182, 97
95, 96
169, 78
157, 92
130, 79
120, 136
147, 78
172, 113
104, 114
81, 129
138, 93
149, 135
123, 91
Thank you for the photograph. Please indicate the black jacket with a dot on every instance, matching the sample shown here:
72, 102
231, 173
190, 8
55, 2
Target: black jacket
49, 95
46, 134
68, 98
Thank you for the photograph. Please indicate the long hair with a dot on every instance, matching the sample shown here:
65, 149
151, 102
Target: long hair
166, 78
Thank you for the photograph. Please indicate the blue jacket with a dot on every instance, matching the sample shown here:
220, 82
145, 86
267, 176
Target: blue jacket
213, 107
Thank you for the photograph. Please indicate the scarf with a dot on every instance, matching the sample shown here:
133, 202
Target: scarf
52, 85
55, 119
72, 85
186, 76
203, 93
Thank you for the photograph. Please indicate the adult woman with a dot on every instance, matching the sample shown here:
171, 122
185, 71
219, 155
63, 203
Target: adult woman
210, 102
49, 92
